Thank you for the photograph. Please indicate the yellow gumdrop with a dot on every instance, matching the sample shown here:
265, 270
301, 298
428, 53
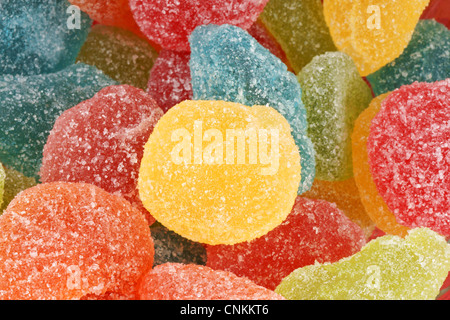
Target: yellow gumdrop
372, 32
387, 268
218, 172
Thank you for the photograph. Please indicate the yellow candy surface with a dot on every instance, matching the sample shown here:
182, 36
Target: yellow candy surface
218, 172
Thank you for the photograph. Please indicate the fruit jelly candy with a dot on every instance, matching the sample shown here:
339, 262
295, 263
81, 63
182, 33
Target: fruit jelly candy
315, 230
120, 54
300, 28
374, 204
100, 141
39, 36
176, 281
31, 104
438, 10
372, 32
425, 59
2, 185
204, 177
170, 23
345, 195
334, 95
68, 240
15, 182
409, 154
171, 247
253, 76
170, 79
387, 268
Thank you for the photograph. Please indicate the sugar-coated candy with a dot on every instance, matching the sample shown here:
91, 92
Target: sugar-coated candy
171, 247
170, 23
39, 36
387, 268
374, 204
228, 64
120, 54
409, 154
68, 240
334, 94
425, 59
219, 172
372, 32
176, 281
315, 230
438, 10
100, 141
2, 185
300, 28
14, 183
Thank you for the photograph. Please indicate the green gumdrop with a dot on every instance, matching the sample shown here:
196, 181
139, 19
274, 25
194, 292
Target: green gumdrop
120, 54
2, 185
334, 94
387, 268
14, 182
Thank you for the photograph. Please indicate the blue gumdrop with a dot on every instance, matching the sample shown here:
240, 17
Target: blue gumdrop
229, 64
31, 104
40, 36
425, 59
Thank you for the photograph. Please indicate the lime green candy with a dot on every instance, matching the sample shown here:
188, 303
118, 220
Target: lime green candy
2, 184
11, 183
387, 268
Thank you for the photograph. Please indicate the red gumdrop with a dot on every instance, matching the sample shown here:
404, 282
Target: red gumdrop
315, 230
176, 281
170, 23
100, 141
70, 241
409, 154
438, 10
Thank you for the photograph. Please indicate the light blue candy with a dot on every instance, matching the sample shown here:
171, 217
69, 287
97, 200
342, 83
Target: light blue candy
425, 59
228, 64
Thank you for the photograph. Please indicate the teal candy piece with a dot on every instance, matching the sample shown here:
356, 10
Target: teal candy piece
228, 64
425, 59
30, 106
40, 36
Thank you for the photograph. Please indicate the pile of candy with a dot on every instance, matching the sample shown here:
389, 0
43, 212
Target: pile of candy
224, 149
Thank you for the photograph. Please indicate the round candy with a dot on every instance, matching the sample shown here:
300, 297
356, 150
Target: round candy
220, 172
2, 186
14, 183
71, 240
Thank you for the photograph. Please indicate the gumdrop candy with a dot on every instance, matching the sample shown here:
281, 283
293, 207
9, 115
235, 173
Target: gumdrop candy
170, 79
334, 95
31, 104
218, 172
387, 268
120, 54
176, 281
372, 32
409, 154
425, 59
2, 185
100, 141
252, 77
14, 183
40, 36
68, 240
438, 10
170, 23
171, 247
345, 194
315, 230
300, 28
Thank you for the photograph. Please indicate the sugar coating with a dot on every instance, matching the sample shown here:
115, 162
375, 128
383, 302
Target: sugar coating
100, 141
387, 268
14, 183
68, 240
170, 23
171, 247
120, 54
35, 36
30, 106
315, 230
176, 281
425, 59
228, 64
372, 32
199, 181
334, 95
409, 154
300, 28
